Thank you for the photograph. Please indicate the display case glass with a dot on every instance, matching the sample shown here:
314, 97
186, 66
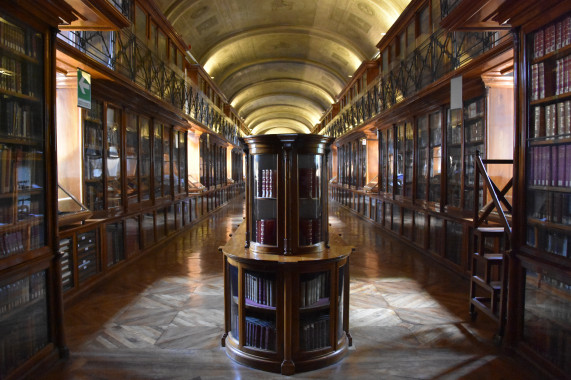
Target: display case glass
314, 311
422, 161
93, 157
113, 157
474, 137
145, 165
310, 171
265, 199
454, 157
132, 158
435, 157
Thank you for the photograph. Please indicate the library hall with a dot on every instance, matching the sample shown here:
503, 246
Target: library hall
273, 189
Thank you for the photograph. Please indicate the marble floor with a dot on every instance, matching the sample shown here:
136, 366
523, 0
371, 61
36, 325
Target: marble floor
161, 317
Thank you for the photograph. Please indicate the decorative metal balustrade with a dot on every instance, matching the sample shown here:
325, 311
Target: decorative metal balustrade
124, 53
124, 6
442, 53
446, 6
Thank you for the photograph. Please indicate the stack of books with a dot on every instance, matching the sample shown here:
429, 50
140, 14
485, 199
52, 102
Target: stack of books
308, 186
266, 231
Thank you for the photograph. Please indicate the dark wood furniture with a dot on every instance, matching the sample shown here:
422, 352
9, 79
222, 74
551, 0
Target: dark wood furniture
286, 284
31, 331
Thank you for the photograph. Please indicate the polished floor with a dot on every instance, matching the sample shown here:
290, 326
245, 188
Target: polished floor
161, 317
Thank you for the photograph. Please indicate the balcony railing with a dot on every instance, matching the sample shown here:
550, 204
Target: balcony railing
446, 6
125, 54
124, 6
442, 53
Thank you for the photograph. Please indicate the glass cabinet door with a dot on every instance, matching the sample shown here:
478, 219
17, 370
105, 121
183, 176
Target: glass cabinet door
265, 193
454, 157
310, 170
260, 310
93, 156
314, 310
422, 161
400, 158
166, 160
113, 162
234, 303
390, 160
132, 158
408, 159
341, 302
435, 156
473, 142
145, 165
158, 161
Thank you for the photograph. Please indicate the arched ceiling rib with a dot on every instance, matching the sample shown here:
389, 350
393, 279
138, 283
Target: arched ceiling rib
281, 62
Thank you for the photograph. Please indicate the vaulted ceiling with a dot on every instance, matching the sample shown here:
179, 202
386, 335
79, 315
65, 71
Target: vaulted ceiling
281, 63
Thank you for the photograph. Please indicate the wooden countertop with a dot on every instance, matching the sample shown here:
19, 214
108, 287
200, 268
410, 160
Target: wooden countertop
235, 249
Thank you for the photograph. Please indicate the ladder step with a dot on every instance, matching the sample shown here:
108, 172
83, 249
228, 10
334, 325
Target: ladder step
494, 257
493, 286
490, 230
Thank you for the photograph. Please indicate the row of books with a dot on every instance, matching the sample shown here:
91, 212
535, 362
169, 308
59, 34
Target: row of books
558, 243
19, 120
11, 80
556, 284
15, 38
266, 231
309, 231
260, 333
12, 243
93, 139
550, 165
547, 337
308, 183
260, 289
314, 334
552, 37
86, 255
266, 186
455, 134
21, 292
314, 287
552, 120
66, 253
563, 75
19, 169
474, 109
21, 338
560, 205
537, 81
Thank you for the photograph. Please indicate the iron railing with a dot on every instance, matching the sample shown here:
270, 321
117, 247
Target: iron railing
442, 53
446, 6
125, 54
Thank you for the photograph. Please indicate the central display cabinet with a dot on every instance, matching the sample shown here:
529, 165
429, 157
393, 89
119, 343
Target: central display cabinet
286, 284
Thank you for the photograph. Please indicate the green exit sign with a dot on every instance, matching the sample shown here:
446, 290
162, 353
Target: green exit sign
83, 89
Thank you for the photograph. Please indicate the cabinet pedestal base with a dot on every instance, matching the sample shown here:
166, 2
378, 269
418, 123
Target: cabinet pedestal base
285, 367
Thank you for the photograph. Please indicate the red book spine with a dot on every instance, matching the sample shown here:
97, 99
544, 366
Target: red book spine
554, 169
561, 161
549, 39
546, 165
558, 35
560, 118
566, 31
541, 80
531, 166
534, 82
567, 123
567, 74
538, 44
568, 166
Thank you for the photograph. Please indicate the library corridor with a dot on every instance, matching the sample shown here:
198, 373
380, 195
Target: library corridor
161, 316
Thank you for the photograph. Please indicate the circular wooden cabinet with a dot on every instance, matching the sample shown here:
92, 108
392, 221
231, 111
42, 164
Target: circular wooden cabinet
286, 285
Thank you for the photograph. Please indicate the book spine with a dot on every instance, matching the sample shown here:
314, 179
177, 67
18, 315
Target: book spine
561, 168
568, 165
554, 169
541, 80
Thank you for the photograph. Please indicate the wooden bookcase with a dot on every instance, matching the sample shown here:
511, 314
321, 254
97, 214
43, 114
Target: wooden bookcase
287, 293
540, 271
31, 334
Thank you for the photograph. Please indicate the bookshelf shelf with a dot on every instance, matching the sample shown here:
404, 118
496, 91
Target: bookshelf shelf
556, 54
20, 96
551, 99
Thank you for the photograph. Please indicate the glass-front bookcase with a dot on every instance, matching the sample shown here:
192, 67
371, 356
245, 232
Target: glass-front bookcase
288, 209
286, 286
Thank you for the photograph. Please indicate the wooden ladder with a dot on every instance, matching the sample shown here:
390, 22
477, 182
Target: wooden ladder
488, 281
